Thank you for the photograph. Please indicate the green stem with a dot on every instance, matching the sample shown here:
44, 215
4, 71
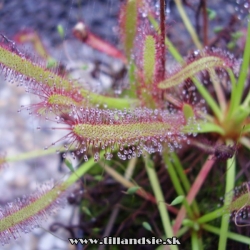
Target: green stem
177, 56
218, 90
237, 95
126, 183
246, 102
112, 102
34, 154
84, 168
229, 235
184, 180
244, 67
230, 175
209, 99
183, 230
188, 24
195, 241
179, 170
211, 216
176, 183
160, 199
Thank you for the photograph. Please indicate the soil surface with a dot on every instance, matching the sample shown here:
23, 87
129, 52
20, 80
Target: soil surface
44, 16
100, 15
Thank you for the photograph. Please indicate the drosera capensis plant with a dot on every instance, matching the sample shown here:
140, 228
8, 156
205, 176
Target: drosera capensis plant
161, 114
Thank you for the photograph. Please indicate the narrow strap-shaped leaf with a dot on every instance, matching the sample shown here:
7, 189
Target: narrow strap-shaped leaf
243, 73
30, 70
192, 69
26, 213
149, 53
29, 73
130, 132
130, 26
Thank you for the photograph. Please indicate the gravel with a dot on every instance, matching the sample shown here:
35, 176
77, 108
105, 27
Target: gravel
44, 16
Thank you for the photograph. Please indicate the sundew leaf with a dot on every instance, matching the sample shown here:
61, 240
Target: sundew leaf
149, 53
149, 61
26, 213
191, 69
238, 90
129, 131
34, 76
51, 63
26, 68
55, 99
237, 203
179, 199
130, 26
188, 111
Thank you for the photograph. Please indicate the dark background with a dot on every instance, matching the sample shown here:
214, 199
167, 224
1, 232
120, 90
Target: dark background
44, 16
101, 16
